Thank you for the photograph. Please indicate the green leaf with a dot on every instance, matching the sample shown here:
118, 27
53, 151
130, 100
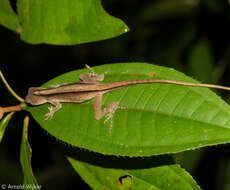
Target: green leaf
3, 124
123, 173
201, 62
67, 22
189, 159
167, 9
160, 119
25, 159
7, 16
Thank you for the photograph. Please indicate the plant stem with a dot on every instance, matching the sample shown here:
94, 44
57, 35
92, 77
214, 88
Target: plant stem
10, 109
10, 89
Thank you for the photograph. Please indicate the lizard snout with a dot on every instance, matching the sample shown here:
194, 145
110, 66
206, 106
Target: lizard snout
34, 99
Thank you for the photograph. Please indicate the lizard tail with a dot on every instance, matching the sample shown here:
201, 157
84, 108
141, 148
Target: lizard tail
121, 84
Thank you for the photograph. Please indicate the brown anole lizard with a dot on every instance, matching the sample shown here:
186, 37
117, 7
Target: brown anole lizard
89, 88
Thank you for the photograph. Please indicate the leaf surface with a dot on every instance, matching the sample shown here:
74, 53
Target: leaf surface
25, 158
163, 175
67, 22
7, 16
160, 119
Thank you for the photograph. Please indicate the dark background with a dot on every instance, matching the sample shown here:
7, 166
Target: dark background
160, 34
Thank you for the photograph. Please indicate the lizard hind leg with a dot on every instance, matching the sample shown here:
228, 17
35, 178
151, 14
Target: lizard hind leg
108, 111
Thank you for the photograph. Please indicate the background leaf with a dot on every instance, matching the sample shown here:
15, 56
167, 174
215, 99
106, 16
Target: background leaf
189, 160
201, 66
120, 173
7, 16
160, 118
201, 62
156, 10
25, 158
67, 22
3, 124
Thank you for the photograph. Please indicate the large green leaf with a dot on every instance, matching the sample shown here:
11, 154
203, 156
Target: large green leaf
160, 119
67, 22
7, 16
124, 174
25, 158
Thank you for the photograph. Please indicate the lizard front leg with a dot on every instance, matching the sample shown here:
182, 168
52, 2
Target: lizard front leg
52, 110
92, 77
56, 85
108, 110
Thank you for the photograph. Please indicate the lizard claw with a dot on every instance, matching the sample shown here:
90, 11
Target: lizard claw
52, 110
50, 114
110, 110
109, 116
90, 69
123, 108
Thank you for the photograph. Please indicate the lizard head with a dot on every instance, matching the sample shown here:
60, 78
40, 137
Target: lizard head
34, 99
